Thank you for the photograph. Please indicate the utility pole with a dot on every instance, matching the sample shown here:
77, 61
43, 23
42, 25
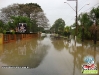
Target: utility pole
76, 18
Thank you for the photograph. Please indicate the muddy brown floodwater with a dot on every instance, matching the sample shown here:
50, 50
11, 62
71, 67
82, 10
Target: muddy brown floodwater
46, 56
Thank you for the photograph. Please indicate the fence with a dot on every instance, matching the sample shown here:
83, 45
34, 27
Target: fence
7, 38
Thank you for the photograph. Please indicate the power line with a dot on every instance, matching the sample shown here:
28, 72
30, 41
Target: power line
92, 7
70, 20
84, 11
76, 13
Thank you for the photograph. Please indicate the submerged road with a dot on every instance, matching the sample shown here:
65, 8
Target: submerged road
46, 56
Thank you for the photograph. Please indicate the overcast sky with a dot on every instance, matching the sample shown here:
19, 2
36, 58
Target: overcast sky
55, 9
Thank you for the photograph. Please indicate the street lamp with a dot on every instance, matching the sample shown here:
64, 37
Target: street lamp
83, 6
70, 6
76, 14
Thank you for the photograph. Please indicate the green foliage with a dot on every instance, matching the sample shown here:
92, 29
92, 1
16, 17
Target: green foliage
72, 31
79, 32
67, 31
1, 26
58, 26
17, 20
31, 25
86, 20
21, 13
87, 34
4, 31
96, 12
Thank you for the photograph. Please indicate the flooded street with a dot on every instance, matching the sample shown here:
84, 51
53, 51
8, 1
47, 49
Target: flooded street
46, 56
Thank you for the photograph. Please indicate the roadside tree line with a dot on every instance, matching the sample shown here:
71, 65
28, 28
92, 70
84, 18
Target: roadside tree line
88, 24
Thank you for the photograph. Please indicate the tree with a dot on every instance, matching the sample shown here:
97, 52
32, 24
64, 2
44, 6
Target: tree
67, 31
86, 26
19, 19
42, 20
21, 12
95, 17
84, 19
1, 26
7, 12
85, 22
58, 26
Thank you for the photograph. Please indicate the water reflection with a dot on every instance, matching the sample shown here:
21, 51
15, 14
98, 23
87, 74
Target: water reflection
78, 50
58, 44
24, 53
48, 56
1, 49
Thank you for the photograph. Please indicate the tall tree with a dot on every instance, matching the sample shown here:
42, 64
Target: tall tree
42, 20
95, 17
29, 10
85, 23
21, 9
1, 26
84, 20
58, 25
